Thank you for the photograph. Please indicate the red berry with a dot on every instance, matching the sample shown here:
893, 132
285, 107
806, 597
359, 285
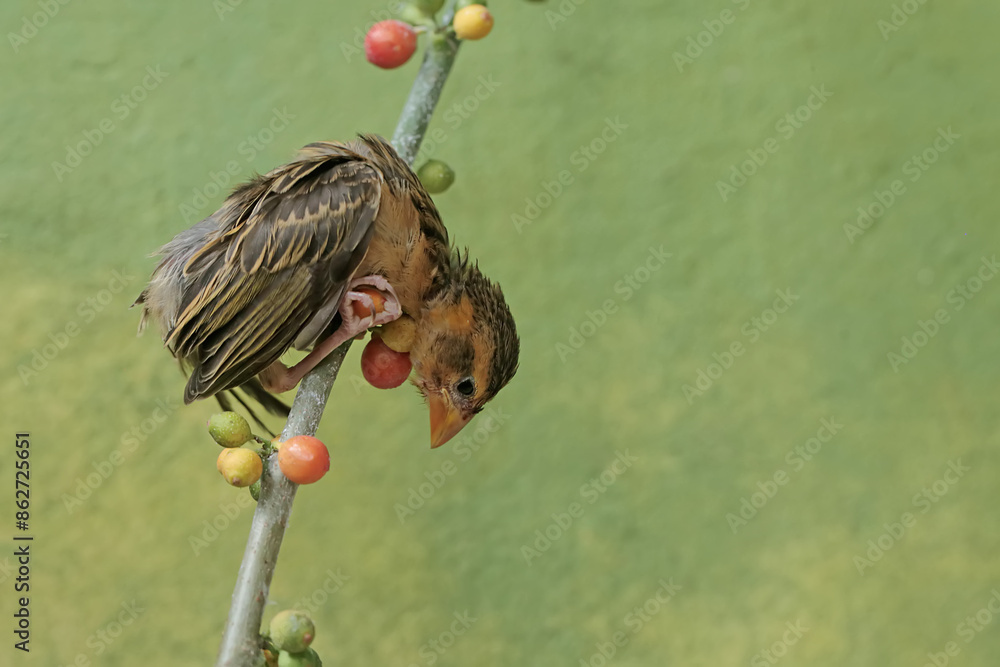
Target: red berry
389, 44
383, 367
303, 459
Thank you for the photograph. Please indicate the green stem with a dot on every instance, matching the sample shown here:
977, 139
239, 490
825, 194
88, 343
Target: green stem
426, 91
241, 641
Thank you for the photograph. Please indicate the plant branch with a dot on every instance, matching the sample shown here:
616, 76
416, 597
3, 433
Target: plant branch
241, 643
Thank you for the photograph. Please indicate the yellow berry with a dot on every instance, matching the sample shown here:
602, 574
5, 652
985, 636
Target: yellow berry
398, 335
473, 22
240, 467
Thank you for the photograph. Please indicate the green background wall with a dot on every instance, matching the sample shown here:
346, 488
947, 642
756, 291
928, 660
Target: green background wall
110, 397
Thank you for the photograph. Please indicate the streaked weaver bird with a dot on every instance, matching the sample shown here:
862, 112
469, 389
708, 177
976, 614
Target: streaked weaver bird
279, 265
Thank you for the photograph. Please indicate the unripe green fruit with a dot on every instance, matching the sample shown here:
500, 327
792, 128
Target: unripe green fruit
255, 490
414, 15
292, 631
307, 658
429, 7
436, 176
229, 429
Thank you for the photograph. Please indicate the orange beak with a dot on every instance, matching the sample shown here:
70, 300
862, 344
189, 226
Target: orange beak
446, 420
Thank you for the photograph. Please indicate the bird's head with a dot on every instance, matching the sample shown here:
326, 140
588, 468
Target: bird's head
465, 350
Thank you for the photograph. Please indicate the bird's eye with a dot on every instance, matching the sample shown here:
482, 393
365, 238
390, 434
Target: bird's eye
467, 387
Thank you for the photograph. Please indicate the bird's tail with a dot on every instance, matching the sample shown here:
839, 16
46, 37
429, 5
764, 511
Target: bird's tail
254, 390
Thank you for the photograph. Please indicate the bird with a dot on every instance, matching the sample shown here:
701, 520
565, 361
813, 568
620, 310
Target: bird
288, 253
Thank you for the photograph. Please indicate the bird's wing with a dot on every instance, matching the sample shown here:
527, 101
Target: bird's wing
288, 245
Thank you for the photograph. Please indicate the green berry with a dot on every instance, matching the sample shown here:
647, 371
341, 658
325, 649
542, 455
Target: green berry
429, 7
229, 429
436, 176
292, 631
414, 15
307, 658
255, 490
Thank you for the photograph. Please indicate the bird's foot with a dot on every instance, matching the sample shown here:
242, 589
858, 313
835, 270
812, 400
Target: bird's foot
370, 301
372, 295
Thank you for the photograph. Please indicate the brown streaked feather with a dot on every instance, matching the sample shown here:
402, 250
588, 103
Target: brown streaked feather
286, 246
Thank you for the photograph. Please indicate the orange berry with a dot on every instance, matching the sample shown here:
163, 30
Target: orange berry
378, 299
304, 459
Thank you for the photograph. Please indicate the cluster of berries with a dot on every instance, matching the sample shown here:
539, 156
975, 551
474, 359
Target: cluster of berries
392, 43
303, 459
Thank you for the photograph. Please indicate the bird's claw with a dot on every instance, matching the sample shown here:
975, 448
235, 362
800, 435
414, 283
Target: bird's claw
278, 378
353, 325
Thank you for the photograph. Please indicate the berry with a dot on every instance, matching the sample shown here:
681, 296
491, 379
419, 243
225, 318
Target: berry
255, 490
429, 7
383, 367
473, 22
307, 658
420, 13
389, 44
398, 335
292, 630
240, 467
378, 299
304, 459
229, 429
436, 176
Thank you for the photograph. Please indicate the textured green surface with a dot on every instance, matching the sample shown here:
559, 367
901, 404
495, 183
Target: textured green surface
655, 185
